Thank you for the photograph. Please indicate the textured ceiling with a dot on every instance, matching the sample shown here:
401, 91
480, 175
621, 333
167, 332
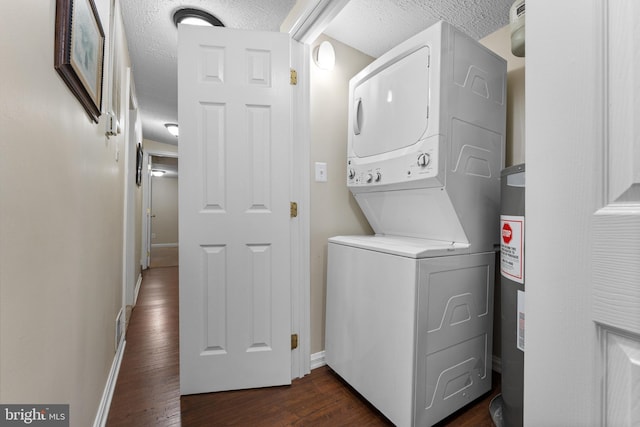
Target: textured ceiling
371, 26
375, 26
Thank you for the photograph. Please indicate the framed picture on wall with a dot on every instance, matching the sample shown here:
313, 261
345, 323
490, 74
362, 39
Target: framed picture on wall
139, 155
79, 52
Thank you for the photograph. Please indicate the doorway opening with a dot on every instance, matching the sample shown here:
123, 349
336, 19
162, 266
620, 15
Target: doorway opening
163, 224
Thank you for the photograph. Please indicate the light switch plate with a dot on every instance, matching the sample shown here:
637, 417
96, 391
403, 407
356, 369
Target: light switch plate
321, 172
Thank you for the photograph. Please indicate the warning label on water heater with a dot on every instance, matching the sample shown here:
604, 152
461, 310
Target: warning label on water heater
512, 247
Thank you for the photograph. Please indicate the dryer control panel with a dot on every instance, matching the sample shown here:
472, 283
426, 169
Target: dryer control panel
420, 166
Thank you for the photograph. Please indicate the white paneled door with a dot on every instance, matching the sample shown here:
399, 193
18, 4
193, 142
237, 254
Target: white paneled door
616, 224
582, 359
235, 154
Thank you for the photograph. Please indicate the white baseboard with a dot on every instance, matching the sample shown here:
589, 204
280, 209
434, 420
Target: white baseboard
496, 364
121, 326
109, 388
164, 245
136, 290
317, 360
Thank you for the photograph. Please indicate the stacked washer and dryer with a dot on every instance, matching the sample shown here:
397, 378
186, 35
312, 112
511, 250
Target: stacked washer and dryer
409, 310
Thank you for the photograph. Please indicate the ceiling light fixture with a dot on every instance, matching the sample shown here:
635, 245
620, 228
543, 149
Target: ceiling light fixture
172, 128
191, 16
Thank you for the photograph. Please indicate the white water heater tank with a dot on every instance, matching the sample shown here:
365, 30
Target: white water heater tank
516, 23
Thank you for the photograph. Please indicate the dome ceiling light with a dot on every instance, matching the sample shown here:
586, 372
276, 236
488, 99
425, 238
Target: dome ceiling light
192, 16
172, 128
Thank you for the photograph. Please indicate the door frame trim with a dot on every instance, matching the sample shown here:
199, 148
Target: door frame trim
308, 22
304, 25
300, 226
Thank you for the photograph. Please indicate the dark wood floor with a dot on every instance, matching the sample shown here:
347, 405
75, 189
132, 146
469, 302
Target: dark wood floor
148, 389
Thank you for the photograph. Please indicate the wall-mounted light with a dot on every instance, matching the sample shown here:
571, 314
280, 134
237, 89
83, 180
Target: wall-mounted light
157, 172
195, 17
324, 56
172, 128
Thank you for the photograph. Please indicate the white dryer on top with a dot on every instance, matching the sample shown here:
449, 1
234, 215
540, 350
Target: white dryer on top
426, 141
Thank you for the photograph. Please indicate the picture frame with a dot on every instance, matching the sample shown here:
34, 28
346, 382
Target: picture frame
79, 52
139, 157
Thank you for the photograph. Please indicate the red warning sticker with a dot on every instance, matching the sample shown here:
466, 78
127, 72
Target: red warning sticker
507, 233
512, 247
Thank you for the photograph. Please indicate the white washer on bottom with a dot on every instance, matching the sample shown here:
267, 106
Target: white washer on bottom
409, 324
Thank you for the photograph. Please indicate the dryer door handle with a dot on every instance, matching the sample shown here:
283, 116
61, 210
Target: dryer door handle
357, 117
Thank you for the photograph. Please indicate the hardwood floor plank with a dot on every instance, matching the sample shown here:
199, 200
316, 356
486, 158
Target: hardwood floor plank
148, 388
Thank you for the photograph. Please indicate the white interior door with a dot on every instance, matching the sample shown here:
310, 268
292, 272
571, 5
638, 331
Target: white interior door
234, 112
582, 359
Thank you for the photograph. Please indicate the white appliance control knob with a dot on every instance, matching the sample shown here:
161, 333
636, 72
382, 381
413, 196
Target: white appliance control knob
378, 176
352, 174
369, 177
423, 159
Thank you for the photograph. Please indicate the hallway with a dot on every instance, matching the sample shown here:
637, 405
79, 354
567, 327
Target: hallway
148, 388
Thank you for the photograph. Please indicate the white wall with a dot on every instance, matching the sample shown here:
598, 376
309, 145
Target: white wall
334, 211
164, 205
61, 224
151, 146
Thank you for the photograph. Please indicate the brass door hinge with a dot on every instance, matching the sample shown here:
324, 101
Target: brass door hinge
294, 77
293, 209
294, 341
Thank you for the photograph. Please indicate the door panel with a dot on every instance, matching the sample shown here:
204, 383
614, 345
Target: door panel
583, 214
616, 225
234, 112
